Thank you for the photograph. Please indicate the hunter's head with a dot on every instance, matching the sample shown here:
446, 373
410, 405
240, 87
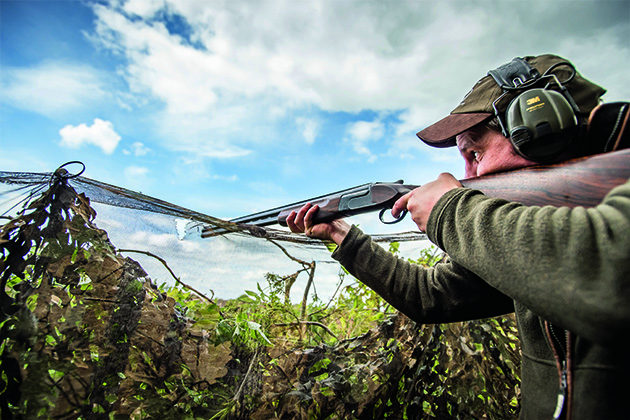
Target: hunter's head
527, 111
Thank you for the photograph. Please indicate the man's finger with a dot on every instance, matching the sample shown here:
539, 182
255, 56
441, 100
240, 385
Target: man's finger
291, 219
400, 205
299, 218
308, 217
291, 223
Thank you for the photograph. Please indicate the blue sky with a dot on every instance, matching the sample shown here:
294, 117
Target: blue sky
230, 107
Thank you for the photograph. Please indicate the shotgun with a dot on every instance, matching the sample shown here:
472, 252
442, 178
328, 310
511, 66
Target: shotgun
579, 182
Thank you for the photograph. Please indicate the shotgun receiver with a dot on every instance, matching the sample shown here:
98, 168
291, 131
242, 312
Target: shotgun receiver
579, 182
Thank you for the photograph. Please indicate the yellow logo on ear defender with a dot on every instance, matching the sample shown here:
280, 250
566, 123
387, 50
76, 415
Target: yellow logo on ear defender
534, 104
533, 100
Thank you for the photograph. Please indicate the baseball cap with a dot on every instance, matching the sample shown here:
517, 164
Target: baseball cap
477, 105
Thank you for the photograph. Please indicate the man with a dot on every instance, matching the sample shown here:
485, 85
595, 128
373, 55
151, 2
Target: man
564, 272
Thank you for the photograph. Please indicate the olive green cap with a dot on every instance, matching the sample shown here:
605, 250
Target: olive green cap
476, 106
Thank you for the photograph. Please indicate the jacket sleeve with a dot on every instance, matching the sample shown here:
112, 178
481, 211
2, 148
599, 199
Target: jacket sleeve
569, 266
444, 293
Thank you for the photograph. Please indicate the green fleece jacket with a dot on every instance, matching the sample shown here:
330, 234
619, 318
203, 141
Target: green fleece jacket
569, 267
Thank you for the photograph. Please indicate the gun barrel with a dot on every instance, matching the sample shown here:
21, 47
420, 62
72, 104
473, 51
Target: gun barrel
352, 201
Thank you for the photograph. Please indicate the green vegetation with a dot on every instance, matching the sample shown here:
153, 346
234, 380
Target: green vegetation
84, 334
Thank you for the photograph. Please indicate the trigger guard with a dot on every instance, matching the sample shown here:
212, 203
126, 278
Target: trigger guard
391, 222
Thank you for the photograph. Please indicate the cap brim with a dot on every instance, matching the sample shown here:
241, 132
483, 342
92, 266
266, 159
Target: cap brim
443, 132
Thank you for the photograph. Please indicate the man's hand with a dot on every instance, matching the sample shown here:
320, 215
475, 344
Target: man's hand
302, 221
420, 201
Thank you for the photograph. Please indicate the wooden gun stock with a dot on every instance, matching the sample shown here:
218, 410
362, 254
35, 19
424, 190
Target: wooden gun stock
579, 182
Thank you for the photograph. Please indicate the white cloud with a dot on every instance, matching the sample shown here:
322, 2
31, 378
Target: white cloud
51, 88
136, 171
100, 133
137, 149
309, 129
319, 64
361, 133
366, 130
144, 8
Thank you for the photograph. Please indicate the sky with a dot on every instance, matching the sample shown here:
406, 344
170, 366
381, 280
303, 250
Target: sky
231, 107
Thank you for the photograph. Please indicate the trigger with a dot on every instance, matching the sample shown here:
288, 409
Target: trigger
381, 216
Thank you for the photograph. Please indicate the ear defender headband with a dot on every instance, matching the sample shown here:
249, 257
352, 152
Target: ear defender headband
540, 122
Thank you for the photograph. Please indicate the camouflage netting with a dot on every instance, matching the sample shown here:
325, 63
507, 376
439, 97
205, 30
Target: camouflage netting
135, 221
86, 334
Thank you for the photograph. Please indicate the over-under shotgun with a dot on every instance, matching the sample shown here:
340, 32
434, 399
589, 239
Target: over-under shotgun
579, 182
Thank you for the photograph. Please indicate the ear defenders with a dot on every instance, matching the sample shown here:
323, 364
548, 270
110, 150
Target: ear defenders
540, 123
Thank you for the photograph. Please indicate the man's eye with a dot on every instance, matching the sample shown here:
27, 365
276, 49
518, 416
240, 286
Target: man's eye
476, 156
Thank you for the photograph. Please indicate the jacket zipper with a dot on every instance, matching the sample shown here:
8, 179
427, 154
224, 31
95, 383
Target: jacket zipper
563, 358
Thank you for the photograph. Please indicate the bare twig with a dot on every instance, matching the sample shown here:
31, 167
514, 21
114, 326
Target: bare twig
311, 277
164, 263
304, 263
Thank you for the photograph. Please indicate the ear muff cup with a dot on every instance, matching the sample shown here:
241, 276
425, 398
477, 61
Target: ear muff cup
541, 124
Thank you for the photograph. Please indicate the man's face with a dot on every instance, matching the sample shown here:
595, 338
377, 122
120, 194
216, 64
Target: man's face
486, 151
